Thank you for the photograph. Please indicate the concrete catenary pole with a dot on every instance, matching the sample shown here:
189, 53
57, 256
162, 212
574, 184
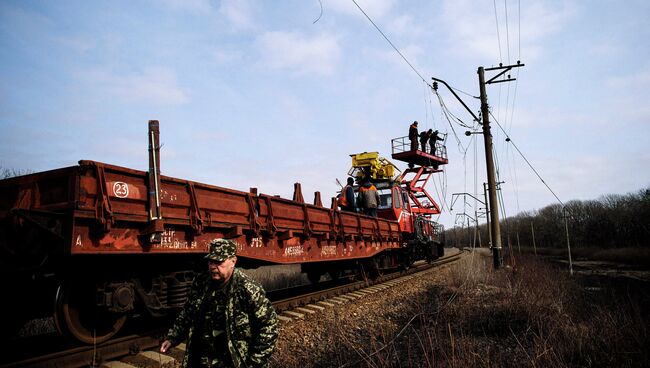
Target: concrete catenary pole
489, 161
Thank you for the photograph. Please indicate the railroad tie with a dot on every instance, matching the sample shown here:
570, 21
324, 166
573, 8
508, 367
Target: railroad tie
117, 364
294, 314
365, 291
349, 297
305, 310
379, 287
315, 307
284, 318
164, 360
339, 300
325, 304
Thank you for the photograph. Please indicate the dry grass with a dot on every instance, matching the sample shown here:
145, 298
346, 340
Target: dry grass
532, 316
536, 316
626, 255
278, 276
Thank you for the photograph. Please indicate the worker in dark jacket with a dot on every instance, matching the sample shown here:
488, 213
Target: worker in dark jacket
424, 137
432, 142
413, 135
368, 199
227, 319
346, 198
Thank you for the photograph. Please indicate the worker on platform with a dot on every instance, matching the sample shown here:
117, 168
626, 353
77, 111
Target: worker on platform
227, 319
413, 135
432, 142
346, 197
424, 137
368, 199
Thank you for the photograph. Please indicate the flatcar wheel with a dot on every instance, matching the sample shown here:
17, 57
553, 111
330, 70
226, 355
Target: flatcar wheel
77, 316
335, 274
314, 276
374, 270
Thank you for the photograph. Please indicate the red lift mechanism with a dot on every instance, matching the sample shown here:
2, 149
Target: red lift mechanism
422, 164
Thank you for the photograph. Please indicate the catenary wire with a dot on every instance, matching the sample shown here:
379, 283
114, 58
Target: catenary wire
519, 28
391, 43
496, 18
505, 5
400, 53
528, 162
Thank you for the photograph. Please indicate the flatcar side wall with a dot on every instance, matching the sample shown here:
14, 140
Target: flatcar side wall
113, 218
36, 216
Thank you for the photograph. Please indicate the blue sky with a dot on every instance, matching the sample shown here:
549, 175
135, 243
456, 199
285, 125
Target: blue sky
260, 94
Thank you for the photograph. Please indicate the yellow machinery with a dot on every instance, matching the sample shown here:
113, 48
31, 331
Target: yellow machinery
369, 164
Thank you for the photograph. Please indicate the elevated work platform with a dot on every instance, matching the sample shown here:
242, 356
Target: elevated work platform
401, 150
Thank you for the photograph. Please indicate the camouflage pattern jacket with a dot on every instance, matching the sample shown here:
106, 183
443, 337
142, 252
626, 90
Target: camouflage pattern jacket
251, 322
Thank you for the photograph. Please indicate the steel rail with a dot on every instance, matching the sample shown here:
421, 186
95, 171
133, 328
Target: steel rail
313, 297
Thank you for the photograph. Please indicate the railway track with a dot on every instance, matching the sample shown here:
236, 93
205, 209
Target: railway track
140, 349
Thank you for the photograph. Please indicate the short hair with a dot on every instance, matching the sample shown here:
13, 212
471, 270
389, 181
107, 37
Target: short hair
350, 181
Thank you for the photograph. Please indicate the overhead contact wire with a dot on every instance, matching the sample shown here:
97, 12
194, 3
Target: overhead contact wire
528, 162
391, 43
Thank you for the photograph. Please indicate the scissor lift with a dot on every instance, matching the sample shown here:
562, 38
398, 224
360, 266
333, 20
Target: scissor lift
421, 165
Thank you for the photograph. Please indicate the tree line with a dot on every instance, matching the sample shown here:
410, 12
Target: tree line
612, 221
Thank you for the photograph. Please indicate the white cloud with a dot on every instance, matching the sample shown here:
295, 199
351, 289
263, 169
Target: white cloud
226, 56
296, 52
389, 61
195, 6
639, 79
156, 85
473, 29
238, 13
407, 25
374, 8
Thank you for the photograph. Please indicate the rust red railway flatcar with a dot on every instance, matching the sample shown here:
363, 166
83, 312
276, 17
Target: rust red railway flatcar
101, 208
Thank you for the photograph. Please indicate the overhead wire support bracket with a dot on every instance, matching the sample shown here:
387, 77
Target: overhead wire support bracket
457, 97
464, 194
501, 81
506, 69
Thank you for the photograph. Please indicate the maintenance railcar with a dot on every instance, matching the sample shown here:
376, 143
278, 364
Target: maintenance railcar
94, 243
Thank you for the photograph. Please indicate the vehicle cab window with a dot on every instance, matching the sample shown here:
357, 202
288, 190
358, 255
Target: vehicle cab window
398, 200
406, 199
385, 199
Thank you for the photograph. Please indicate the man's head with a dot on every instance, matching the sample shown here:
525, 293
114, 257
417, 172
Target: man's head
221, 259
350, 181
430, 131
415, 123
436, 131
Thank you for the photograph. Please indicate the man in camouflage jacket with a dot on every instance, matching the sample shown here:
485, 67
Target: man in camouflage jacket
227, 319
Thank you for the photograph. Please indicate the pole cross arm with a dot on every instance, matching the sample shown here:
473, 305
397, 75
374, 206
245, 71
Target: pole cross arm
504, 69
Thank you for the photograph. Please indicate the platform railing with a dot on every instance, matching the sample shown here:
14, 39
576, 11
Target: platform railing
403, 144
400, 144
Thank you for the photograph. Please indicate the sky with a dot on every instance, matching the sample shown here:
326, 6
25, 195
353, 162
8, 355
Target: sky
268, 93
